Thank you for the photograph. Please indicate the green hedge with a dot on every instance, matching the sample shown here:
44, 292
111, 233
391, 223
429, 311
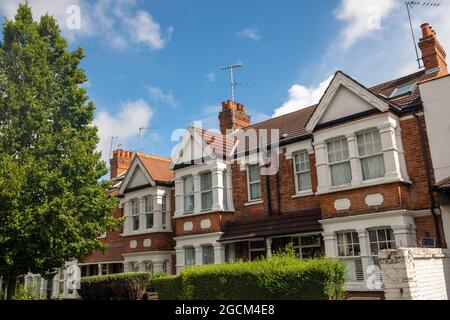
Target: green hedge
121, 286
276, 278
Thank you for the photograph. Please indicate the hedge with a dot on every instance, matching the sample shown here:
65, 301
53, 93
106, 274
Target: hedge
276, 278
121, 286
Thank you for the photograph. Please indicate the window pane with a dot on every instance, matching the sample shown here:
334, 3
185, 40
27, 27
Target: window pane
257, 245
208, 254
381, 235
255, 191
205, 181
188, 185
207, 200
188, 203
136, 222
149, 220
253, 173
225, 190
304, 181
341, 174
189, 255
372, 167
373, 235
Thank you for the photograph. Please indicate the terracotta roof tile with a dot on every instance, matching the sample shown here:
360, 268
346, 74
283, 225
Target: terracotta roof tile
157, 167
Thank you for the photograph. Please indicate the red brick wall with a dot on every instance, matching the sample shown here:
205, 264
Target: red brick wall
217, 220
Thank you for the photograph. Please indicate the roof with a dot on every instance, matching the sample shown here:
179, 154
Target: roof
222, 145
295, 222
157, 167
443, 184
292, 126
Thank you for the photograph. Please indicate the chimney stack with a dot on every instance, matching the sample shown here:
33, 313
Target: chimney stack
433, 54
241, 119
120, 162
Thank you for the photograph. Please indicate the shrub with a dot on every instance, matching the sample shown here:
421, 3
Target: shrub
30, 292
282, 277
167, 287
122, 286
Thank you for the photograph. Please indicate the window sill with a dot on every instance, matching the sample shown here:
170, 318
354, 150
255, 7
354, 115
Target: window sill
303, 194
252, 203
364, 184
200, 213
141, 232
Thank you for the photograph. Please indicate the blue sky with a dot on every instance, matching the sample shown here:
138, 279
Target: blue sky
157, 63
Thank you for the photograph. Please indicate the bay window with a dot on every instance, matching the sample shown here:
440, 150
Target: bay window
349, 251
148, 206
188, 192
206, 191
338, 158
148, 266
381, 239
302, 171
208, 254
257, 249
254, 182
371, 154
135, 214
189, 256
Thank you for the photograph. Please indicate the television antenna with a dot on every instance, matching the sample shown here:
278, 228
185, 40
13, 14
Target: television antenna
111, 146
411, 5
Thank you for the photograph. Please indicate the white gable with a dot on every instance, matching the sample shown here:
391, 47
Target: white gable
344, 103
136, 176
344, 97
137, 179
192, 147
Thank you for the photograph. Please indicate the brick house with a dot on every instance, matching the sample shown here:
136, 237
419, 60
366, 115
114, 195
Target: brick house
354, 175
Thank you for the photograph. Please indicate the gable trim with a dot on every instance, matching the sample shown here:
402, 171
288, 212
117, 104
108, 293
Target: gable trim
341, 79
136, 163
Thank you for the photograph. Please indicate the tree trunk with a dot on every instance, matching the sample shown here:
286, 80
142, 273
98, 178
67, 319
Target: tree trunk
11, 285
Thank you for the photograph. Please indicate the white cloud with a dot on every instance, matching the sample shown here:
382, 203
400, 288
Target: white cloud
144, 29
116, 23
125, 124
211, 77
158, 95
301, 97
249, 33
362, 17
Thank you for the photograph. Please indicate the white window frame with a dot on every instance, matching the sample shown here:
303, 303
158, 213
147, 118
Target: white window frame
225, 189
191, 195
149, 211
390, 244
298, 189
135, 216
366, 156
206, 191
331, 164
347, 258
249, 183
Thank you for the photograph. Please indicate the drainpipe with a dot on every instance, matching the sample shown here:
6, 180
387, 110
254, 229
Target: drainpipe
269, 196
430, 185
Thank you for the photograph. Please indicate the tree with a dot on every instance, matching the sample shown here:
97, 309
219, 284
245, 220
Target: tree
52, 202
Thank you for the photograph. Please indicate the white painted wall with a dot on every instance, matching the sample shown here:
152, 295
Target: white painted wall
436, 100
415, 274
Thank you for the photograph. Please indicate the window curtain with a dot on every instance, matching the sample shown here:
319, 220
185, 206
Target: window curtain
372, 167
341, 174
304, 181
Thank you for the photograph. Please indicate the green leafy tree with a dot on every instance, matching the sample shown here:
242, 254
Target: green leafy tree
52, 202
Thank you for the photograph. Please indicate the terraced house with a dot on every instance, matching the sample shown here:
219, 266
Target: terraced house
354, 176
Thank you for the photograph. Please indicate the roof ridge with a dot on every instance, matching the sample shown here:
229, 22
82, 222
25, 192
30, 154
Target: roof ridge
417, 73
153, 156
283, 115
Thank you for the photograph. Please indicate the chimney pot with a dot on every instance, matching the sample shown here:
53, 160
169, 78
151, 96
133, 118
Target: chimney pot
427, 30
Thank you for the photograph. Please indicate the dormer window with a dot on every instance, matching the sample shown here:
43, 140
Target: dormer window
399, 91
338, 157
